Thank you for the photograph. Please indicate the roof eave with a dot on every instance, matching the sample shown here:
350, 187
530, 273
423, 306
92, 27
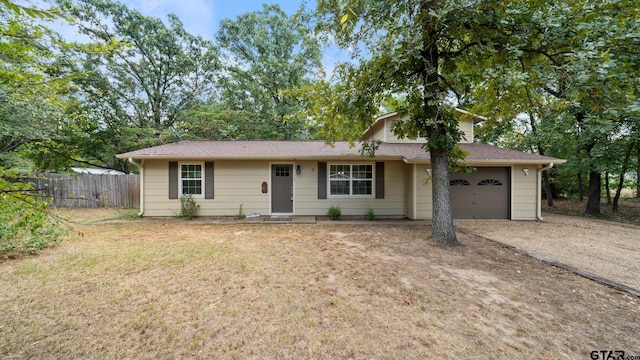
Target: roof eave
494, 162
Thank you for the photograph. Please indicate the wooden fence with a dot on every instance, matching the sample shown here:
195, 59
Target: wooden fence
87, 190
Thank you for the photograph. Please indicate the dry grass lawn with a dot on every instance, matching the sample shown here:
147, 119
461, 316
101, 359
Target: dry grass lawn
169, 289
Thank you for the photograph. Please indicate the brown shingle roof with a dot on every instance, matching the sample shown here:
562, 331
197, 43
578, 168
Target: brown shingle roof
319, 150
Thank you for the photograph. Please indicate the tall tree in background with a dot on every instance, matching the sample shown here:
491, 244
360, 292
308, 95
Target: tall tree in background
142, 87
32, 86
267, 54
30, 105
573, 67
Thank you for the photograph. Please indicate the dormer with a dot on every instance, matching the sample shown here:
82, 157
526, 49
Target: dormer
382, 128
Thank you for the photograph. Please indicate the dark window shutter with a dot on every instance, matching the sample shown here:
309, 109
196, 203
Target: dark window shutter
173, 180
322, 180
379, 180
208, 178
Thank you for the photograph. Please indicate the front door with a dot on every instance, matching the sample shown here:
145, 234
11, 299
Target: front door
281, 188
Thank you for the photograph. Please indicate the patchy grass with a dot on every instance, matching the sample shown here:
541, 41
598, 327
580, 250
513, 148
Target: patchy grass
167, 289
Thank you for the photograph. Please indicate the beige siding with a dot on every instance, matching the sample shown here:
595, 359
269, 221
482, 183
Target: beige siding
306, 193
410, 190
239, 182
466, 126
379, 132
423, 193
236, 182
524, 193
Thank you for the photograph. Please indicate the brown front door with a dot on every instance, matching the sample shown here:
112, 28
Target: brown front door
281, 188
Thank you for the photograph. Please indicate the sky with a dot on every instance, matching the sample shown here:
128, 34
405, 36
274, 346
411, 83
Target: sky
202, 17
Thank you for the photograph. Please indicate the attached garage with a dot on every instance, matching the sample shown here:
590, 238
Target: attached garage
484, 193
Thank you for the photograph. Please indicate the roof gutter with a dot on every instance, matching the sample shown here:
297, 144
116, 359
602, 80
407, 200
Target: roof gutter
139, 166
539, 188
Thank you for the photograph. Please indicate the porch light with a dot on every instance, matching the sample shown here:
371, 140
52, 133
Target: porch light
298, 170
428, 171
525, 171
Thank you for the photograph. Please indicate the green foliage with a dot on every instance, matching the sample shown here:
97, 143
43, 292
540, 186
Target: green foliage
371, 214
34, 86
134, 93
268, 54
188, 207
25, 224
400, 49
334, 212
214, 122
240, 214
562, 79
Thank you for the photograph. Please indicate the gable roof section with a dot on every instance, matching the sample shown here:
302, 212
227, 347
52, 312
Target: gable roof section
479, 154
380, 120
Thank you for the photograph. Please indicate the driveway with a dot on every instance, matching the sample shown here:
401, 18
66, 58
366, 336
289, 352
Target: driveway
606, 249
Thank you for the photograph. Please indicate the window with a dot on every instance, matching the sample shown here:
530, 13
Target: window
459, 182
490, 182
282, 171
350, 180
191, 179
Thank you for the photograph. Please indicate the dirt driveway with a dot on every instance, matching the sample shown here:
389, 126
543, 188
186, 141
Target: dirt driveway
607, 249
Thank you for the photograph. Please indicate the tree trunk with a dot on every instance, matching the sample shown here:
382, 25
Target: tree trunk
593, 200
623, 170
638, 172
607, 187
580, 187
547, 187
442, 229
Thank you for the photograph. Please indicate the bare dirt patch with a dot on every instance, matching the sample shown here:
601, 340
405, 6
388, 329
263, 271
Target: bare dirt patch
169, 289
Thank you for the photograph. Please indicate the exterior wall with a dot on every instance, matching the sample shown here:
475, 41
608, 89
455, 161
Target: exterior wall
239, 182
236, 182
306, 200
424, 205
465, 126
410, 191
379, 132
467, 130
524, 193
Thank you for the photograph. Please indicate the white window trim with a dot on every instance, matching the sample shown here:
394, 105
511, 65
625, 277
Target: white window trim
201, 163
351, 196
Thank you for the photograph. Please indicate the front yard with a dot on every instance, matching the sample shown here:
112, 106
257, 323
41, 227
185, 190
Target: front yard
168, 289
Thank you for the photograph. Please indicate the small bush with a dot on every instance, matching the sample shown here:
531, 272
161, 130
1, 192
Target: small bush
334, 212
26, 226
240, 215
188, 207
371, 215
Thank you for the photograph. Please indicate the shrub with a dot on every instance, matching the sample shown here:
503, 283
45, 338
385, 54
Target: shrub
371, 215
188, 207
240, 215
25, 224
334, 212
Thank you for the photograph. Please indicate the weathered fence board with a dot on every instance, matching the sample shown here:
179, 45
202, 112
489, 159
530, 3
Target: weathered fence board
87, 190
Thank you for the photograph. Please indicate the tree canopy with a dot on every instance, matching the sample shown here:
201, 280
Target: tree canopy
268, 53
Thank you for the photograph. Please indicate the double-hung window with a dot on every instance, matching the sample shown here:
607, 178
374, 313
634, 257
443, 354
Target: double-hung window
350, 180
191, 179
